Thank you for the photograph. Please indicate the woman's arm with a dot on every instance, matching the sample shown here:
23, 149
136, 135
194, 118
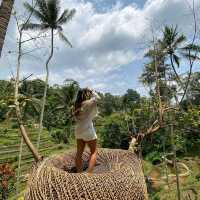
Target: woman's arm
95, 95
93, 100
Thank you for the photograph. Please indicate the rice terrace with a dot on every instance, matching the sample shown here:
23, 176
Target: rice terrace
100, 100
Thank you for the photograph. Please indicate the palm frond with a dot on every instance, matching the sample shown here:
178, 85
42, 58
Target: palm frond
42, 6
179, 40
190, 56
192, 47
166, 31
176, 59
151, 53
169, 35
64, 38
36, 103
33, 26
35, 12
53, 10
174, 32
66, 16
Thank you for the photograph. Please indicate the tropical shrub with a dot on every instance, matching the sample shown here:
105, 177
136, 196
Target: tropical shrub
113, 132
7, 180
59, 136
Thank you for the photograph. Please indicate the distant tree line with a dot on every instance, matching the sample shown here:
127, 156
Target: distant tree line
120, 117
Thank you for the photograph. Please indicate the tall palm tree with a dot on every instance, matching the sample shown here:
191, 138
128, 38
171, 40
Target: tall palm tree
48, 14
5, 13
148, 76
173, 45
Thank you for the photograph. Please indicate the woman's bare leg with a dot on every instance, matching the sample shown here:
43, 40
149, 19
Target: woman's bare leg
79, 153
93, 156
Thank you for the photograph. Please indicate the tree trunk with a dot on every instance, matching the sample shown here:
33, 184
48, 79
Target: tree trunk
5, 13
158, 85
175, 161
24, 134
175, 72
45, 90
19, 166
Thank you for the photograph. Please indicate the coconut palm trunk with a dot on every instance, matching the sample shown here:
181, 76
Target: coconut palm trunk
5, 13
175, 72
45, 89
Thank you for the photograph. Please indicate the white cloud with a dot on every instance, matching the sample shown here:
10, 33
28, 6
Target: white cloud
106, 42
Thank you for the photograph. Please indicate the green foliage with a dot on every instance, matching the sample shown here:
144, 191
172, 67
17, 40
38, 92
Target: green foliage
59, 106
59, 136
9, 151
14, 125
165, 55
3, 110
154, 157
47, 12
32, 88
6, 93
113, 132
109, 104
3, 131
193, 92
130, 99
189, 124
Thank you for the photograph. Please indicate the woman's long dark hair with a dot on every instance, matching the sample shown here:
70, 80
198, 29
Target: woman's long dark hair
83, 95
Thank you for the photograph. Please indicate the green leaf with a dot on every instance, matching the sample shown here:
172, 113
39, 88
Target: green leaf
64, 38
66, 16
42, 6
176, 59
35, 12
191, 47
35, 26
53, 10
179, 41
189, 56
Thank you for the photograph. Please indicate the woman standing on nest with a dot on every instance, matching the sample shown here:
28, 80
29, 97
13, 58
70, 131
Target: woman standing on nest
85, 112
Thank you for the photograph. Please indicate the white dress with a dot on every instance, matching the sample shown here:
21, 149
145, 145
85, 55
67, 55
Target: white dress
84, 126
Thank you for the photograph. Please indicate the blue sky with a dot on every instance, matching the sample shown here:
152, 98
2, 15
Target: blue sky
103, 5
109, 39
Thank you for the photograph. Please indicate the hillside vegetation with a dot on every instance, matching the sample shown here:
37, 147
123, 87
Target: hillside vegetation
10, 149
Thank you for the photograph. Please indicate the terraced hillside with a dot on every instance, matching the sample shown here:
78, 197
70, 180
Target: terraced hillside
10, 141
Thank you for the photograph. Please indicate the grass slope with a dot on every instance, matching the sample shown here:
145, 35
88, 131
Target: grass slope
10, 146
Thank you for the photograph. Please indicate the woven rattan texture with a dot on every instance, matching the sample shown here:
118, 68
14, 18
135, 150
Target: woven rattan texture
117, 176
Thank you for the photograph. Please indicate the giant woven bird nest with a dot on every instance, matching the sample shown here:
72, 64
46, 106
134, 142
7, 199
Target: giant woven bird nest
117, 175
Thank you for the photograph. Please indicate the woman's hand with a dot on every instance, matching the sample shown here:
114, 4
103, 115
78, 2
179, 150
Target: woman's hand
95, 94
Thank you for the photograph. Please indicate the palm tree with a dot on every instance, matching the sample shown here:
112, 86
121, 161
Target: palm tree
48, 13
173, 46
5, 13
